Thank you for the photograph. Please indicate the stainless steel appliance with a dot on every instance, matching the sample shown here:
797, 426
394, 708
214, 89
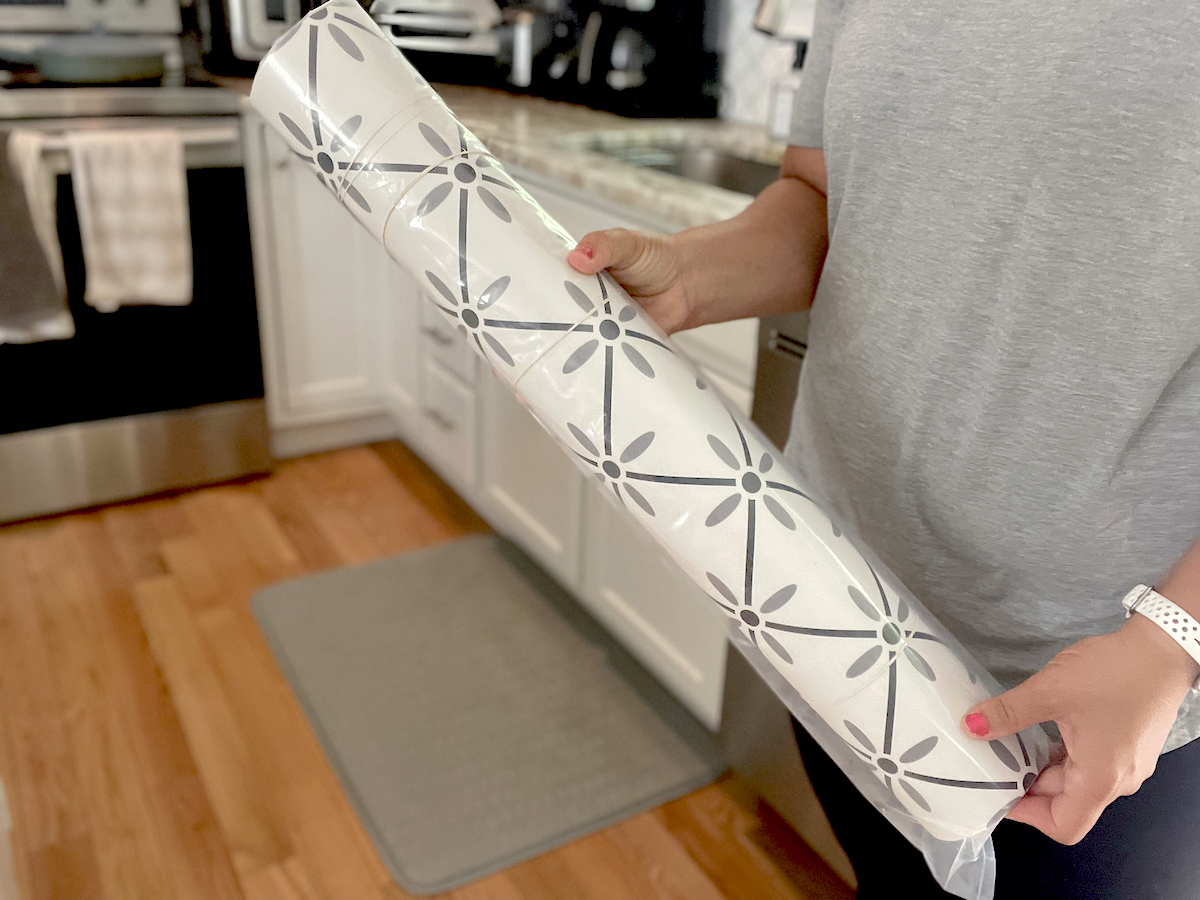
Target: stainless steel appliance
489, 42
782, 343
244, 30
645, 57
94, 40
756, 730
236, 32
149, 397
120, 16
441, 26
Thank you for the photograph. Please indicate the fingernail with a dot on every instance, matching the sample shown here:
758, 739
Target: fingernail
586, 251
977, 724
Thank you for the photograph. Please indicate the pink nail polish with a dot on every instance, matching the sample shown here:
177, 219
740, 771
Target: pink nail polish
977, 724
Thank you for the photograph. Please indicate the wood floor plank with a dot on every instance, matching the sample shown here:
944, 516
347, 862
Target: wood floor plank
182, 826
548, 877
636, 860
67, 868
38, 768
194, 573
285, 496
327, 836
494, 887
236, 569
138, 530
748, 854
262, 537
388, 512
185, 826
427, 489
346, 534
644, 844
116, 798
600, 872
40, 773
229, 769
286, 880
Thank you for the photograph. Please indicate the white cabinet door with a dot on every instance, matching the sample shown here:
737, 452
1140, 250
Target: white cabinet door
644, 598
529, 489
399, 349
324, 303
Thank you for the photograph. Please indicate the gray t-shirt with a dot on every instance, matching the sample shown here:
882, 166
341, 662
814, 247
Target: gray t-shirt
1002, 392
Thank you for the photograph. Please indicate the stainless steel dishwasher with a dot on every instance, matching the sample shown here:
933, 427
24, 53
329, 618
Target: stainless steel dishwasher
146, 398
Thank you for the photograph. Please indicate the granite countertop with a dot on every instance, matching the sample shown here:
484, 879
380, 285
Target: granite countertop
560, 140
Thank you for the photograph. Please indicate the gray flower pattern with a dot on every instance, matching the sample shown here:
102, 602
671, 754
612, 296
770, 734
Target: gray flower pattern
324, 157
894, 768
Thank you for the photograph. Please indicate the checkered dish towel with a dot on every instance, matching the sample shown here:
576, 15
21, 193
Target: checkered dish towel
131, 197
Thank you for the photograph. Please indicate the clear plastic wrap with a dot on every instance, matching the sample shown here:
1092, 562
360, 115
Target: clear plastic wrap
879, 683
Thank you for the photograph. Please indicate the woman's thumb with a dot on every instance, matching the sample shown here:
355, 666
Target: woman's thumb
616, 248
1026, 705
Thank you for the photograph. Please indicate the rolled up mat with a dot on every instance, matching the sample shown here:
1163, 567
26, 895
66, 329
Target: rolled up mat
878, 681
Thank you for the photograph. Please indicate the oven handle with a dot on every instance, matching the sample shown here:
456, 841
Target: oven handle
218, 144
222, 134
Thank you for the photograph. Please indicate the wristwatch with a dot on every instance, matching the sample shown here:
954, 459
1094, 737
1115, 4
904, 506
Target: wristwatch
1167, 616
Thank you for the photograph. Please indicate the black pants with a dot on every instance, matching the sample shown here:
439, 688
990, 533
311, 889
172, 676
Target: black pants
1145, 847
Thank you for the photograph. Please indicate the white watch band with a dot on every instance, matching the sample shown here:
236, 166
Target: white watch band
1169, 617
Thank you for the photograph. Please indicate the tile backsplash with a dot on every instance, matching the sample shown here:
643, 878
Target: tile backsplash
751, 62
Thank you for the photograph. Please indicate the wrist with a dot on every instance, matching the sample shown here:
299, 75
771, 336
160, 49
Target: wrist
1170, 663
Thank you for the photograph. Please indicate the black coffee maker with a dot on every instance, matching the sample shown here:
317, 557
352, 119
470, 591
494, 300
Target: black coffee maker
654, 58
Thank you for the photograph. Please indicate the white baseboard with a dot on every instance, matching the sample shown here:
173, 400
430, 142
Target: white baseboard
301, 440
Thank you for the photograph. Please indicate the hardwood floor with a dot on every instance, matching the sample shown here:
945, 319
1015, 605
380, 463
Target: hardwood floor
151, 749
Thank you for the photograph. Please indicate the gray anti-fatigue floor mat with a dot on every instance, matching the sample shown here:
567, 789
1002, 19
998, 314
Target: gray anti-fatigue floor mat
475, 716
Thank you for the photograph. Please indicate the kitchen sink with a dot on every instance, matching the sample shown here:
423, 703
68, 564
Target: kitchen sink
706, 164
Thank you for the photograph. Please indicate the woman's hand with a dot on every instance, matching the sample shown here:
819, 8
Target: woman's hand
765, 261
648, 267
1114, 698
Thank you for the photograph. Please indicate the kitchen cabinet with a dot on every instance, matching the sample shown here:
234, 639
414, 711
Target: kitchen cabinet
662, 617
321, 279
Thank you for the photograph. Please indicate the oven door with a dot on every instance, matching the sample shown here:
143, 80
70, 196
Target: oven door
145, 398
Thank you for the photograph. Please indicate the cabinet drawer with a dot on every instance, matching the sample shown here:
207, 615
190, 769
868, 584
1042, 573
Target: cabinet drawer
442, 341
448, 410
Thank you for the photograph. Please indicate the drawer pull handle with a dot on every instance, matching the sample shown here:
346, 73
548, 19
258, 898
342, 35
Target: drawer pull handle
439, 420
437, 337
